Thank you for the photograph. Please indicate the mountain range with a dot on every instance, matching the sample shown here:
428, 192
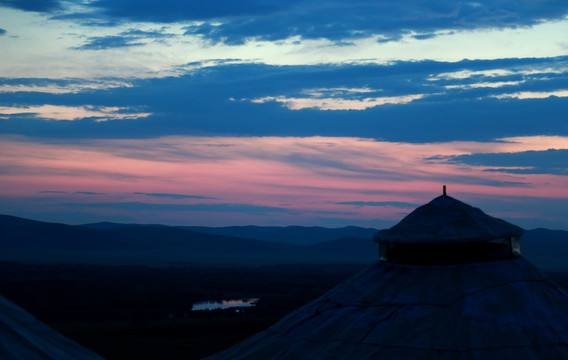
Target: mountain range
25, 240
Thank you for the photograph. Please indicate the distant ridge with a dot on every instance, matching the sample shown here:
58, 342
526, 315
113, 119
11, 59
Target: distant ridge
27, 240
300, 235
548, 249
111, 225
111, 243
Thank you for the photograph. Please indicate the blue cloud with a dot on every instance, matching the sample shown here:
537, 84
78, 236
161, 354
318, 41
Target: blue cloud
33, 5
175, 196
528, 162
87, 19
131, 37
217, 100
233, 22
87, 193
424, 36
105, 42
378, 203
179, 10
236, 21
156, 34
138, 206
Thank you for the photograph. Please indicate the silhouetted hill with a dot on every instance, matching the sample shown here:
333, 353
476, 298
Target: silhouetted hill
35, 241
105, 225
352, 250
110, 243
32, 236
547, 249
301, 235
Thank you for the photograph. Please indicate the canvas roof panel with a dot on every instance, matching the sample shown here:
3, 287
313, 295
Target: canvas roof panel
22, 336
493, 307
447, 220
501, 309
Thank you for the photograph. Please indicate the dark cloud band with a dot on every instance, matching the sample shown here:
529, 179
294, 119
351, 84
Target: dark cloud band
234, 22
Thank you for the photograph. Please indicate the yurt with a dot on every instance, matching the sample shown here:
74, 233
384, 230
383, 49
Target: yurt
22, 336
450, 283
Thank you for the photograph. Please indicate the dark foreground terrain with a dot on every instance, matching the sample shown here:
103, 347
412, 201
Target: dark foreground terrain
140, 312
136, 312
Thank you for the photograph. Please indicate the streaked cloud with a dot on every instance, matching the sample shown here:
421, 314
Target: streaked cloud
299, 33
316, 177
536, 143
131, 37
67, 87
380, 203
216, 96
247, 103
33, 5
338, 91
338, 103
142, 206
521, 68
87, 193
225, 21
533, 94
70, 113
175, 196
551, 161
496, 84
493, 73
105, 42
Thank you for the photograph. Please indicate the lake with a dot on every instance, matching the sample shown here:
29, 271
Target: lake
224, 304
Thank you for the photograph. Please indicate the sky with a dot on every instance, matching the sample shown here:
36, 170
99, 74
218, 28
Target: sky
262, 112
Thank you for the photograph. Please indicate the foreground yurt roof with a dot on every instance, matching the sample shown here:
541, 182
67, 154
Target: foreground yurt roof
22, 336
491, 309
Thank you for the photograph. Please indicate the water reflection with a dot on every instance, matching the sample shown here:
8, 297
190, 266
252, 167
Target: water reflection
224, 304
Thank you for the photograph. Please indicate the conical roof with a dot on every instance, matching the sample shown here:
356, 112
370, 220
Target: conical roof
447, 220
22, 336
498, 309
504, 309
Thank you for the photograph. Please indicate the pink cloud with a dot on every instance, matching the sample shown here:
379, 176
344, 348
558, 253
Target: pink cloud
71, 113
307, 176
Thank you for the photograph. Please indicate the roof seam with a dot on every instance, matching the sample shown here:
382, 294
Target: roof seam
556, 343
459, 298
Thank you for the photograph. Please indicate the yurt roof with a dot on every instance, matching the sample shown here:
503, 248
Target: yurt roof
504, 309
447, 220
22, 336
497, 309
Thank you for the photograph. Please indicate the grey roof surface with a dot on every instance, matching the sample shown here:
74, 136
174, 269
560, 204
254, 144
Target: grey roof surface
447, 220
504, 309
22, 336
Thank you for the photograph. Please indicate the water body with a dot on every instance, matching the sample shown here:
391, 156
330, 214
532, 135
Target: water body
224, 304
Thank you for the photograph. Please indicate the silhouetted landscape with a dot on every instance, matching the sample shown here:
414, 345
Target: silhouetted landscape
126, 291
159, 245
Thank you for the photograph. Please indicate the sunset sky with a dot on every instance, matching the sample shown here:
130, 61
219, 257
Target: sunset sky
261, 112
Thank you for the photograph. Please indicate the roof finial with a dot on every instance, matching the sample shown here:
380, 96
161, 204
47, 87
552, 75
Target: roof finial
444, 190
